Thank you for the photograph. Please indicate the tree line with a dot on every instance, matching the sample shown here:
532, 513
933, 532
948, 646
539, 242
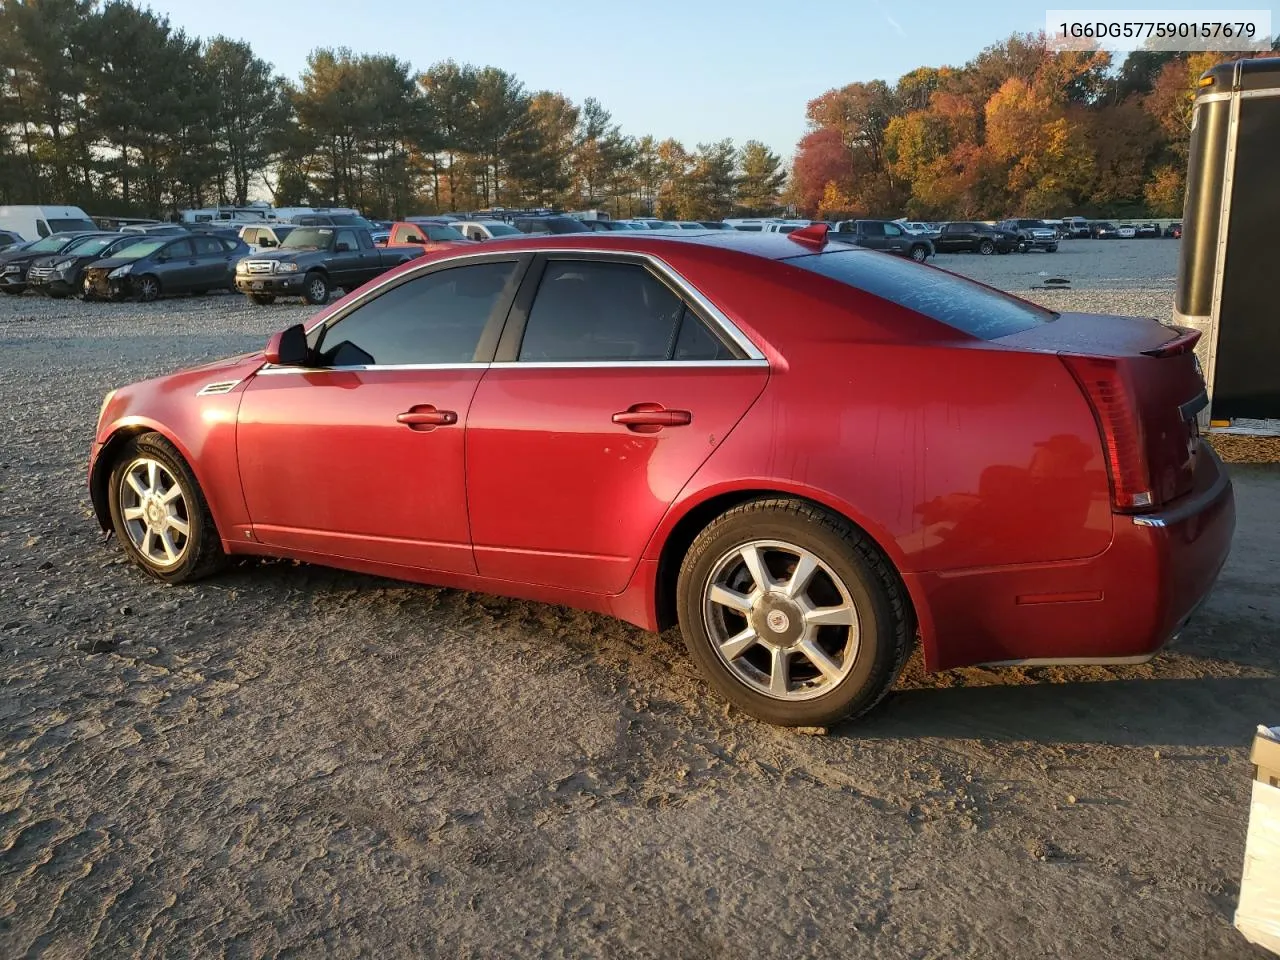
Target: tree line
1018, 131
109, 107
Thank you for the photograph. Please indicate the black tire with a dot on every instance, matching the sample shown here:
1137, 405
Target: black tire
262, 299
1024, 247
919, 253
315, 289
1051, 248
55, 294
885, 621
201, 551
147, 288
986, 248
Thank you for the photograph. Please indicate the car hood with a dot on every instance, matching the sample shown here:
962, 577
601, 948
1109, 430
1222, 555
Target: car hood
111, 263
23, 256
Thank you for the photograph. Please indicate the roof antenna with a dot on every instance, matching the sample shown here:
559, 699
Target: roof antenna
814, 235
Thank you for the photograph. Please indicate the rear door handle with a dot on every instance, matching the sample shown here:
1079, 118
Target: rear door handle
651, 417
425, 417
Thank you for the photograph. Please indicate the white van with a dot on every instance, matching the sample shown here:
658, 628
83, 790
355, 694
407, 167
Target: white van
36, 222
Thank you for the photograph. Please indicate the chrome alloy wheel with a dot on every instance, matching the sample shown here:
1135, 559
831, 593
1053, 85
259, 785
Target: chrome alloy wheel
156, 515
781, 620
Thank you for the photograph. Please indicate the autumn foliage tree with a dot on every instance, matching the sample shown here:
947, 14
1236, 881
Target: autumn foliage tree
1019, 130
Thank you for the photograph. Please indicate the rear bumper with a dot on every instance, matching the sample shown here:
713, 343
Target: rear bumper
1120, 606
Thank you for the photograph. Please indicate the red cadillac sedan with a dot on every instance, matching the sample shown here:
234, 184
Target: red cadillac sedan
809, 456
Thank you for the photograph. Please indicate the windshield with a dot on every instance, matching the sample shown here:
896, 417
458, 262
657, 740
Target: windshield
89, 245
143, 248
61, 226
954, 300
437, 232
308, 238
49, 244
350, 220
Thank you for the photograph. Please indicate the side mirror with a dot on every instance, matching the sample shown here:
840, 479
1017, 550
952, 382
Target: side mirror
342, 247
288, 348
162, 259
266, 242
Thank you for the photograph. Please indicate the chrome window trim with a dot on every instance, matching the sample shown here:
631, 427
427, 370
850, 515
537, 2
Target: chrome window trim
270, 370
623, 364
669, 273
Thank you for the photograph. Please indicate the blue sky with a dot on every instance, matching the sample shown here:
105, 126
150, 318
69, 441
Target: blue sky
697, 70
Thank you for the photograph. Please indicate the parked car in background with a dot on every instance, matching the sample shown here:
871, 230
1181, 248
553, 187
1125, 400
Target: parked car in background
265, 236
919, 227
427, 235
1173, 230
157, 229
1104, 230
313, 261
885, 235
16, 260
715, 225
689, 225
493, 229
1077, 228
1126, 231
62, 274
331, 220
968, 236
1031, 234
9, 238
36, 222
1028, 485
551, 224
608, 226
160, 266
1148, 230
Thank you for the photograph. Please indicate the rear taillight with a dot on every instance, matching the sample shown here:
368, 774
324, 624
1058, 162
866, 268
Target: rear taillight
1116, 413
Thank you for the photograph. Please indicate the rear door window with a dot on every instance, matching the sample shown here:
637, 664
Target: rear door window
596, 311
956, 301
179, 250
208, 246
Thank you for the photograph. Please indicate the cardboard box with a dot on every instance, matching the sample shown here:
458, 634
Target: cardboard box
1258, 913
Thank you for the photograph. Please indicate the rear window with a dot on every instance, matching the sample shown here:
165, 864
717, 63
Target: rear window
956, 301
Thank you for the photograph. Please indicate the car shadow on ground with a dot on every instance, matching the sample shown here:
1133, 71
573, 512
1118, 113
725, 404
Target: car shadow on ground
1199, 712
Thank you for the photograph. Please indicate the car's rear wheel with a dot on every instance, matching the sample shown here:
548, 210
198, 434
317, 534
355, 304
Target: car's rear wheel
147, 287
262, 299
159, 513
316, 288
792, 614
1051, 248
919, 253
986, 248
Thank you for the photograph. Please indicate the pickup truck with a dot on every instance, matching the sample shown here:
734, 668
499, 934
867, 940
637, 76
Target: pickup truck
313, 261
884, 235
427, 234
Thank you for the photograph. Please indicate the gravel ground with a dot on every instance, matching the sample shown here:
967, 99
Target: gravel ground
291, 761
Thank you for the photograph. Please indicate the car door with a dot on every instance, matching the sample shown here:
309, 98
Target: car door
175, 266
348, 267
896, 239
361, 455
871, 235
609, 390
213, 263
947, 238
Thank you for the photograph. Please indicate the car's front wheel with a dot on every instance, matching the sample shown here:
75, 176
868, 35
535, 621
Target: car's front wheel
147, 288
986, 248
919, 253
159, 513
316, 288
792, 614
1051, 248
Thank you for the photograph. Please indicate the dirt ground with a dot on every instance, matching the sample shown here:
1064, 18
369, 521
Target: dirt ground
289, 761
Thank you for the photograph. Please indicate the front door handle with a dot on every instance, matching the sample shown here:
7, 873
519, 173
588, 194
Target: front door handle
425, 417
651, 417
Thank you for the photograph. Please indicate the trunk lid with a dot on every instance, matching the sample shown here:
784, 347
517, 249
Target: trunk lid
1144, 383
